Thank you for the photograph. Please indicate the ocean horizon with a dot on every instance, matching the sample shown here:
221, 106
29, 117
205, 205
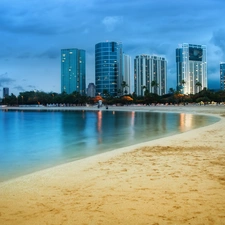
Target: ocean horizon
36, 140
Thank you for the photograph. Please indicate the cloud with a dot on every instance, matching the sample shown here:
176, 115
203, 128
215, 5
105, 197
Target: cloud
111, 22
30, 18
5, 80
51, 18
32, 87
32, 34
4, 74
19, 88
218, 39
51, 53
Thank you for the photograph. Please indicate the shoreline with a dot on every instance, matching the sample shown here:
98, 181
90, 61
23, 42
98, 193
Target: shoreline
177, 179
210, 110
193, 109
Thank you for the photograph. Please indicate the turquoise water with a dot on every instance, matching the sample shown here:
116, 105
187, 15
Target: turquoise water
34, 140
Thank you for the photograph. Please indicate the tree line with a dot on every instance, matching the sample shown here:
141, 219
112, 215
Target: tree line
173, 97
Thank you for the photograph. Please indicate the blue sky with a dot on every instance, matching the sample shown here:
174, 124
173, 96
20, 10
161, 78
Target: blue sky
33, 32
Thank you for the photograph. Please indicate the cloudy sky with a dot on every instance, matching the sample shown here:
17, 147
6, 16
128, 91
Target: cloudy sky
33, 32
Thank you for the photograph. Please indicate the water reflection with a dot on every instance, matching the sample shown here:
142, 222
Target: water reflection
95, 132
99, 114
34, 140
186, 121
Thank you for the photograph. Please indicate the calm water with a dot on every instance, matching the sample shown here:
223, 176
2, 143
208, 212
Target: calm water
31, 141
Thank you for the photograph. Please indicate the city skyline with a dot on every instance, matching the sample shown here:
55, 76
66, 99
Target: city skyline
32, 35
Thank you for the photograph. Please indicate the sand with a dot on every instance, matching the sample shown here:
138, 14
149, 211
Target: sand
174, 180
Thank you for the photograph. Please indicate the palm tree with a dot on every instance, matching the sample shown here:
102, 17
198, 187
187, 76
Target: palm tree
181, 87
171, 91
154, 84
124, 85
183, 82
177, 96
143, 88
146, 92
198, 84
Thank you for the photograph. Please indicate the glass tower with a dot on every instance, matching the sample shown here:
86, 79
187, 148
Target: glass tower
222, 76
150, 73
108, 68
191, 68
73, 71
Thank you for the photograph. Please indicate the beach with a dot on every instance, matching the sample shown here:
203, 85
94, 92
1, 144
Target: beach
178, 179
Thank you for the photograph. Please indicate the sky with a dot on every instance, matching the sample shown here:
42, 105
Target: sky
32, 34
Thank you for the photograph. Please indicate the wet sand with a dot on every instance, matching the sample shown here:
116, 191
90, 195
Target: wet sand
174, 180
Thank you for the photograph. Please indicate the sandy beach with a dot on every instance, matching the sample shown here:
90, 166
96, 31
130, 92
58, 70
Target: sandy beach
174, 180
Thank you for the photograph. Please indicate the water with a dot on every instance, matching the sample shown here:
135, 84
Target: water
32, 141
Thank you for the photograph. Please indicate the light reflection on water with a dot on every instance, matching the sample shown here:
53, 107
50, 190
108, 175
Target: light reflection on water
186, 121
32, 141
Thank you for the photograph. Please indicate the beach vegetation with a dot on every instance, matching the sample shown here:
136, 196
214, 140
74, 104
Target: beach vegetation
76, 99
143, 88
171, 91
154, 86
106, 93
198, 85
124, 85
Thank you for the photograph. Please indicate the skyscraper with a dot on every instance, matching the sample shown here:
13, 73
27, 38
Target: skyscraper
222, 76
73, 71
91, 90
150, 73
127, 72
108, 67
191, 68
5, 92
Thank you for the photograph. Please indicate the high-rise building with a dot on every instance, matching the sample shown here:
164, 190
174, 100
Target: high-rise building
150, 73
5, 92
191, 63
222, 75
127, 72
73, 71
91, 90
108, 68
